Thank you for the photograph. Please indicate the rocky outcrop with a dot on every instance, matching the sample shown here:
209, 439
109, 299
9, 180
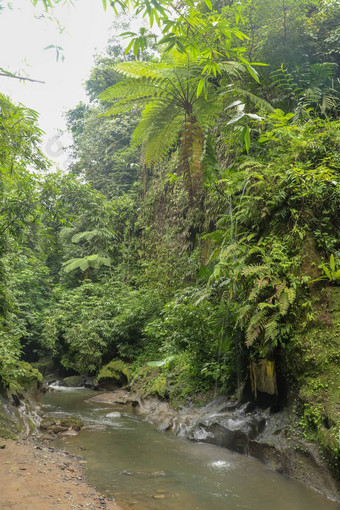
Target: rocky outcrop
74, 381
69, 426
265, 435
114, 375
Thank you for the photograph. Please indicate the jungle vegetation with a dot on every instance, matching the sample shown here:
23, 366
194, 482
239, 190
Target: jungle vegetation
196, 231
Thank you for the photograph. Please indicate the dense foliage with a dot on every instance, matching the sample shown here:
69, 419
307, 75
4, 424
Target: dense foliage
198, 224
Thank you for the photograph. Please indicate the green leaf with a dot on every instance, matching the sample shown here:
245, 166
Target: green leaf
160, 363
129, 46
104, 4
200, 86
253, 73
237, 117
84, 265
326, 271
234, 103
135, 47
245, 138
332, 263
208, 4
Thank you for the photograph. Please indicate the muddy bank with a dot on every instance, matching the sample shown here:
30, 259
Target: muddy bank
37, 477
262, 434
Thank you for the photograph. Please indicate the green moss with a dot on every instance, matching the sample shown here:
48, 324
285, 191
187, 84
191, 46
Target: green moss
47, 422
174, 381
73, 381
7, 434
8, 426
114, 374
71, 422
31, 425
314, 362
143, 379
158, 387
27, 377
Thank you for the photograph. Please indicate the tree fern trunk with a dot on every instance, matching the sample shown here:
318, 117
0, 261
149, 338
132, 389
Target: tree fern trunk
191, 150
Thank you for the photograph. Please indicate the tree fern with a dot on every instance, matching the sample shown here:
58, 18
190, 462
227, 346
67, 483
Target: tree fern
166, 93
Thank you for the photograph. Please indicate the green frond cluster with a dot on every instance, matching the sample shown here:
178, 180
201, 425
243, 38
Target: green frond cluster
166, 93
159, 127
256, 324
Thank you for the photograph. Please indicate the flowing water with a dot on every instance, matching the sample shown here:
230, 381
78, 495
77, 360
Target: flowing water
144, 469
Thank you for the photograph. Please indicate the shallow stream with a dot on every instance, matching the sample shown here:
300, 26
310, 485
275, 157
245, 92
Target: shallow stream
129, 459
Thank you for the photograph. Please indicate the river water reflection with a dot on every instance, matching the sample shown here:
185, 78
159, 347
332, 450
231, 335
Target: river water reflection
146, 470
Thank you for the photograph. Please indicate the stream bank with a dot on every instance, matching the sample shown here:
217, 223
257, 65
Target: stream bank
37, 477
244, 429
221, 422
126, 457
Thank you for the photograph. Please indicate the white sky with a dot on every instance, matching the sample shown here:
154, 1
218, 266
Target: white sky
22, 41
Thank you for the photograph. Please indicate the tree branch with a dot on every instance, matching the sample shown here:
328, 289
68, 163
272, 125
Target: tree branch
10, 75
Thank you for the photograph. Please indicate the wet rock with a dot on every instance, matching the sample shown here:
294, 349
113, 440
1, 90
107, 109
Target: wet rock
114, 415
47, 423
96, 426
75, 381
232, 430
88, 382
71, 423
115, 397
69, 426
58, 428
70, 433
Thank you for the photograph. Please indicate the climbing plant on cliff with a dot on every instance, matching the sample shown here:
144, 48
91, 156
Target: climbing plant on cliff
283, 203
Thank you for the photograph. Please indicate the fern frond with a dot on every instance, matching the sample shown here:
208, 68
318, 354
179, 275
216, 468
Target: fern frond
207, 111
233, 69
280, 287
87, 235
291, 293
141, 69
286, 299
271, 330
228, 252
250, 163
323, 71
257, 288
159, 128
283, 303
132, 88
255, 270
255, 100
256, 325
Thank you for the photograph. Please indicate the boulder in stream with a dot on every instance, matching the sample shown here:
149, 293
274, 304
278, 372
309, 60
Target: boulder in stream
74, 381
50, 424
